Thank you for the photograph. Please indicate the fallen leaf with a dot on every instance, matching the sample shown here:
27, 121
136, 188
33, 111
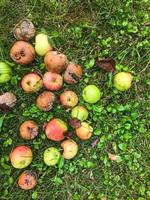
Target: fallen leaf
147, 24
107, 64
94, 143
68, 134
112, 156
75, 123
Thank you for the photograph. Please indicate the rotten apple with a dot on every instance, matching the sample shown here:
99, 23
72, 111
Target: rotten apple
45, 101
84, 132
22, 53
79, 112
28, 130
31, 82
21, 157
27, 180
55, 62
52, 81
68, 99
55, 129
70, 148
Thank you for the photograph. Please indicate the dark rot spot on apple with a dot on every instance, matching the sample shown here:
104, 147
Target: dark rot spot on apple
75, 123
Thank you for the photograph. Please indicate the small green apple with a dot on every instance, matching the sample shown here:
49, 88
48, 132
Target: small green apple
122, 81
79, 112
42, 45
91, 94
51, 156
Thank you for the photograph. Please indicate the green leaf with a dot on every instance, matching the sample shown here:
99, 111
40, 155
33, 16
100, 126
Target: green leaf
1, 122
35, 195
90, 63
122, 146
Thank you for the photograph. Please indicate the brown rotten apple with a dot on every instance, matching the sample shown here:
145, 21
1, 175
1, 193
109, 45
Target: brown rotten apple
55, 62
70, 148
22, 53
52, 81
45, 101
27, 180
68, 99
31, 83
84, 132
73, 73
28, 130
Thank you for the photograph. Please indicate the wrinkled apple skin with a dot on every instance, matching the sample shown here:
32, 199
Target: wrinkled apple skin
21, 157
22, 53
68, 99
45, 101
123, 81
55, 129
55, 62
84, 132
70, 148
91, 94
51, 156
27, 180
42, 45
52, 81
31, 82
79, 112
28, 130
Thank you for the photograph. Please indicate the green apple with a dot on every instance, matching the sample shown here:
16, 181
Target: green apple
122, 81
42, 45
51, 156
91, 94
5, 72
79, 112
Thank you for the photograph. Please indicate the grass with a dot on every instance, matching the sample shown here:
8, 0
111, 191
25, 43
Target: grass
84, 30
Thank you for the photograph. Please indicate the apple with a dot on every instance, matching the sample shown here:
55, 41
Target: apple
28, 130
42, 45
45, 101
55, 62
79, 112
7, 101
84, 132
68, 99
70, 148
123, 81
91, 94
31, 82
27, 180
55, 129
73, 73
21, 157
52, 81
22, 53
51, 156
5, 72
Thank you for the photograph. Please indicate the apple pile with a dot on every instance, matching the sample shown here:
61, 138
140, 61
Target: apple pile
58, 70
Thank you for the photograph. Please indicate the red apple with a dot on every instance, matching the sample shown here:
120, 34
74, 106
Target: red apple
28, 130
27, 180
70, 148
55, 129
22, 53
45, 101
31, 82
84, 132
55, 62
21, 157
68, 99
52, 81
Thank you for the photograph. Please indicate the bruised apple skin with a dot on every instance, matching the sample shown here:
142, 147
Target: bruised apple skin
31, 82
21, 157
22, 53
27, 180
68, 99
52, 81
79, 112
70, 148
123, 81
73, 73
51, 156
55, 129
28, 130
45, 101
85, 131
55, 62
